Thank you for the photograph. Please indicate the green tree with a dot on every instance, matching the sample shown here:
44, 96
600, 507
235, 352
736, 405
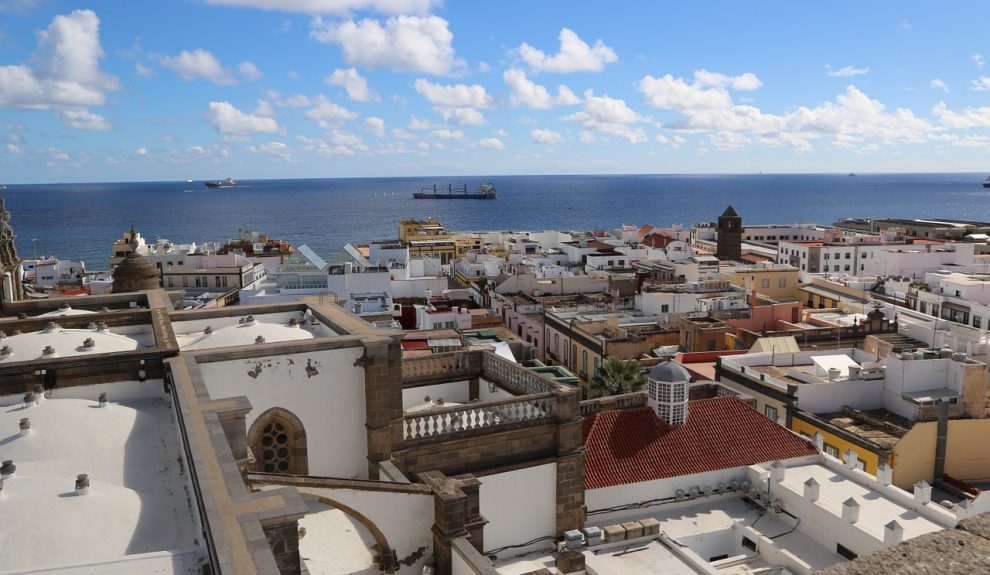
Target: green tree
616, 376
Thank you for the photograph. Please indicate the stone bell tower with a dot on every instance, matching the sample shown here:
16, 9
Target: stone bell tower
11, 273
730, 231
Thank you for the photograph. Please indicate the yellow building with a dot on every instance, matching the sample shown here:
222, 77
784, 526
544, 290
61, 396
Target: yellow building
777, 283
428, 238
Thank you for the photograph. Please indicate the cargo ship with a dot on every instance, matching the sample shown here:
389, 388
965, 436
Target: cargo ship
228, 183
484, 192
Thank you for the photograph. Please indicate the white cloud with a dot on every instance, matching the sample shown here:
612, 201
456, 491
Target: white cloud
587, 137
405, 43
491, 144
143, 71
228, 120
375, 125
338, 143
670, 142
541, 136
417, 123
142, 151
978, 60
669, 93
968, 118
334, 6
249, 72
981, 84
198, 64
609, 116
65, 70
328, 114
461, 116
296, 101
938, 84
575, 55
278, 150
525, 92
456, 95
14, 149
445, 134
846, 72
293, 75
743, 82
83, 119
353, 83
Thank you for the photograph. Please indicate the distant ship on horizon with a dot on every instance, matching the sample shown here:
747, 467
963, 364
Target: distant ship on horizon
986, 182
484, 192
228, 183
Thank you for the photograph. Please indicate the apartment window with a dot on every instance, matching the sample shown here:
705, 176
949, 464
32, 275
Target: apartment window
766, 283
826, 255
782, 282
664, 308
847, 255
217, 280
185, 281
977, 322
771, 412
845, 551
835, 268
710, 345
169, 281
847, 267
831, 450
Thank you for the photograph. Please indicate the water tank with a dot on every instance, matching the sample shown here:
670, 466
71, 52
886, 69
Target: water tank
833, 373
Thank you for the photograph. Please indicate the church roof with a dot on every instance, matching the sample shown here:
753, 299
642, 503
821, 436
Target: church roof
634, 445
135, 273
730, 213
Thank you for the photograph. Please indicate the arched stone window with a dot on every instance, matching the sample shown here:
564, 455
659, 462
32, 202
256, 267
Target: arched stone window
278, 442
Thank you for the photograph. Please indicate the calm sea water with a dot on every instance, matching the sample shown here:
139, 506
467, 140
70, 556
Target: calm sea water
81, 221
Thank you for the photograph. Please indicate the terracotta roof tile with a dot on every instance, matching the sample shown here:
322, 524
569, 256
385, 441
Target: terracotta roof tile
634, 445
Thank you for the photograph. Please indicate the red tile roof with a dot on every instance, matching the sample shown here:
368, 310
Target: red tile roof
634, 445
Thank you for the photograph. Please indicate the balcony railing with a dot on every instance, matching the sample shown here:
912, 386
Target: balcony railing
513, 377
613, 402
487, 415
451, 366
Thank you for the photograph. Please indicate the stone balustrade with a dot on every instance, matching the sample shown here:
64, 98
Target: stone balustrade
613, 402
450, 366
514, 377
449, 420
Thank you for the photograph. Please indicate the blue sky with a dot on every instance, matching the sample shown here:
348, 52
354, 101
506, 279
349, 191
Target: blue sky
204, 89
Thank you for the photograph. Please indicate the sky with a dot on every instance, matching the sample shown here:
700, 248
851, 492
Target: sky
205, 89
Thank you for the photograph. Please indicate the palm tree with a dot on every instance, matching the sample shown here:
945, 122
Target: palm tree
616, 376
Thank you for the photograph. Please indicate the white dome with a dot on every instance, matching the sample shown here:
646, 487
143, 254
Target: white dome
670, 372
66, 342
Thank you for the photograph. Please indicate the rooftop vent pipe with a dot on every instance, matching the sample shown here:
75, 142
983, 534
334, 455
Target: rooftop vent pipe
293, 322
208, 330
49, 350
29, 399
50, 327
82, 484
25, 425
7, 468
104, 399
89, 343
259, 339
6, 350
91, 326
3, 335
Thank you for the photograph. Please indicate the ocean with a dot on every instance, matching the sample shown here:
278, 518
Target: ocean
81, 221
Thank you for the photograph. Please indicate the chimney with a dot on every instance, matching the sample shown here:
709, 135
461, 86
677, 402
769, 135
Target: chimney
25, 425
885, 474
893, 533
819, 441
812, 490
922, 492
82, 484
850, 510
7, 468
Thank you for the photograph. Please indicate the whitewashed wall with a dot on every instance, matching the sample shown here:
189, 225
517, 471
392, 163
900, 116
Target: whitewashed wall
330, 402
519, 505
450, 392
597, 499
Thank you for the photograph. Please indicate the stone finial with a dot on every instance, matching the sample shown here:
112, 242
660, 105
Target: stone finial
82, 484
922, 492
851, 458
812, 490
850, 510
893, 533
885, 474
7, 468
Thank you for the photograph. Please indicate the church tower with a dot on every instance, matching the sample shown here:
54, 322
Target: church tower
11, 273
729, 235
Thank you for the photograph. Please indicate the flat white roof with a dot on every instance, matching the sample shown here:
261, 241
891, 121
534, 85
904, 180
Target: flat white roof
138, 502
246, 333
875, 509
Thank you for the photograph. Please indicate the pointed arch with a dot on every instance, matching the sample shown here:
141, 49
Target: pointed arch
278, 441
